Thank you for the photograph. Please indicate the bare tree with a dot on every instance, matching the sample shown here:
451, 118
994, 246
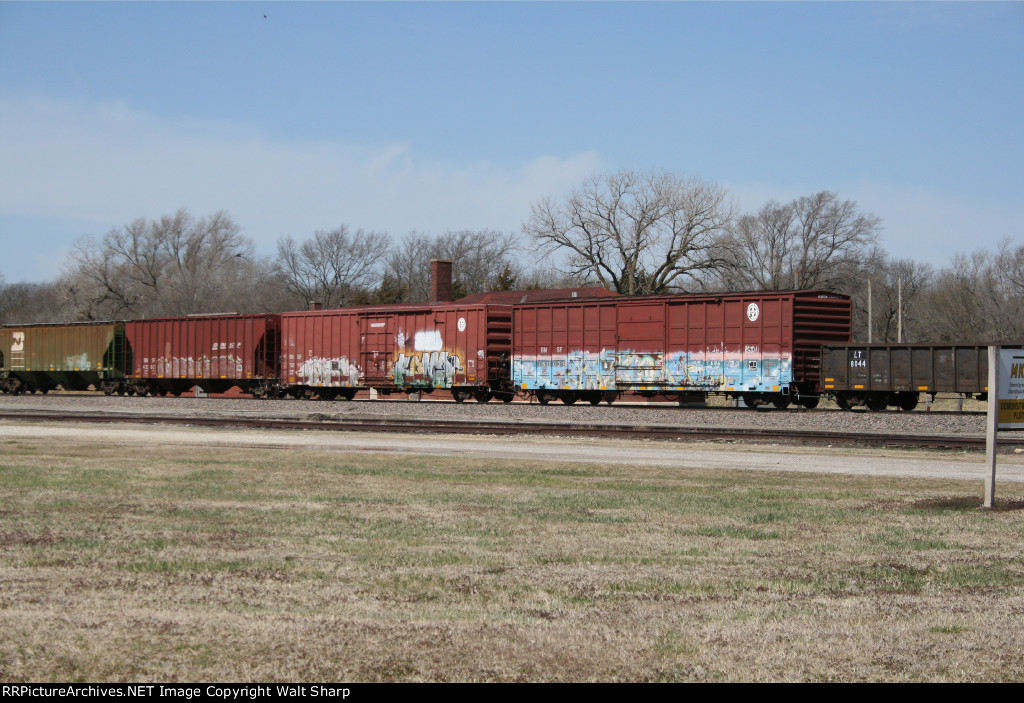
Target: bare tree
816, 241
979, 297
176, 265
333, 267
482, 260
203, 262
24, 303
635, 233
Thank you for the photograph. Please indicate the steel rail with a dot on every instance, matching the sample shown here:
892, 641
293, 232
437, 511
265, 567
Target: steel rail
515, 427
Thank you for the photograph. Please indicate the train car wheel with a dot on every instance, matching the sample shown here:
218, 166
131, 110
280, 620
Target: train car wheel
877, 402
809, 401
568, 398
907, 400
543, 398
781, 402
842, 402
482, 396
458, 397
594, 398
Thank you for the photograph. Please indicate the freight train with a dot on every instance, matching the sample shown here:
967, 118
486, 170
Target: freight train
767, 348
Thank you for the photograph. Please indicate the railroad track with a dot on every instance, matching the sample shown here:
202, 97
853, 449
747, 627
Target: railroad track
533, 427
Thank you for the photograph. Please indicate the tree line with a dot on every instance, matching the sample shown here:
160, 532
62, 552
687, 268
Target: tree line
638, 233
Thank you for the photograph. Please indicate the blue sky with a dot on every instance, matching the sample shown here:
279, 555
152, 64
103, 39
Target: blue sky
392, 117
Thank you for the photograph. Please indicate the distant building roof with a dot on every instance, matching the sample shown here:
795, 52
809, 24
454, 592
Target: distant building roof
510, 297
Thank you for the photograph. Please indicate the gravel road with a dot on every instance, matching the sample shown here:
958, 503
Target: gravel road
629, 452
640, 453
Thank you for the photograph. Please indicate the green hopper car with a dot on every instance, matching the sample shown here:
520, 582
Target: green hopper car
75, 357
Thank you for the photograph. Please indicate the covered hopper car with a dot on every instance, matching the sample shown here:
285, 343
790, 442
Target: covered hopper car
73, 356
212, 352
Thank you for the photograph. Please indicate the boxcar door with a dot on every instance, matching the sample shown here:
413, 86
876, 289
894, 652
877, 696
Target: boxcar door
376, 344
641, 345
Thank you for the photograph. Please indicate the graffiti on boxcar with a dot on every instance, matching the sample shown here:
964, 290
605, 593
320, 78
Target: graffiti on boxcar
334, 372
78, 362
431, 369
428, 364
427, 341
640, 369
580, 370
225, 365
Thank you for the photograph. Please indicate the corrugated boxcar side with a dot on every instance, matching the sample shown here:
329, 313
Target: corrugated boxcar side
564, 345
320, 349
393, 347
731, 343
73, 356
735, 344
818, 319
212, 352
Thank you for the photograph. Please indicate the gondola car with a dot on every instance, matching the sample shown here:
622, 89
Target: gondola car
895, 375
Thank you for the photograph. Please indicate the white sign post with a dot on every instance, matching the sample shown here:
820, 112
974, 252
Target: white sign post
1005, 406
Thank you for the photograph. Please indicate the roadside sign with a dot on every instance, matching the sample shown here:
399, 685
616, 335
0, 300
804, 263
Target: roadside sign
1005, 406
1011, 389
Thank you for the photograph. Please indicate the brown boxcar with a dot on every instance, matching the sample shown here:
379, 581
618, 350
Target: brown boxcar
74, 356
879, 376
763, 347
213, 352
398, 348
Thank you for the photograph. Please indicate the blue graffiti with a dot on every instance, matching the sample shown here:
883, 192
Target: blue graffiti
619, 370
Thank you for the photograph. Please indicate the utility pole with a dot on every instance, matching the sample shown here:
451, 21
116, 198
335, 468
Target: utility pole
899, 310
869, 311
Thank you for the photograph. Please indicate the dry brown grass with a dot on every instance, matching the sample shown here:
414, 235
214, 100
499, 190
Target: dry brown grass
203, 564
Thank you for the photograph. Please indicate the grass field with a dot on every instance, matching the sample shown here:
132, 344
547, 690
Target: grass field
222, 564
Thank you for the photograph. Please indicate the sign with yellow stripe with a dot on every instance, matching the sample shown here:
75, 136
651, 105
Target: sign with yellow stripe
1010, 408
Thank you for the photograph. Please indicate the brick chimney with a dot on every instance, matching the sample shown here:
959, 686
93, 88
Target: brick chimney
440, 281
314, 305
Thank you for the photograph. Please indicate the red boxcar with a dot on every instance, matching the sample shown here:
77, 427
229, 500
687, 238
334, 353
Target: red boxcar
214, 352
398, 348
764, 346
